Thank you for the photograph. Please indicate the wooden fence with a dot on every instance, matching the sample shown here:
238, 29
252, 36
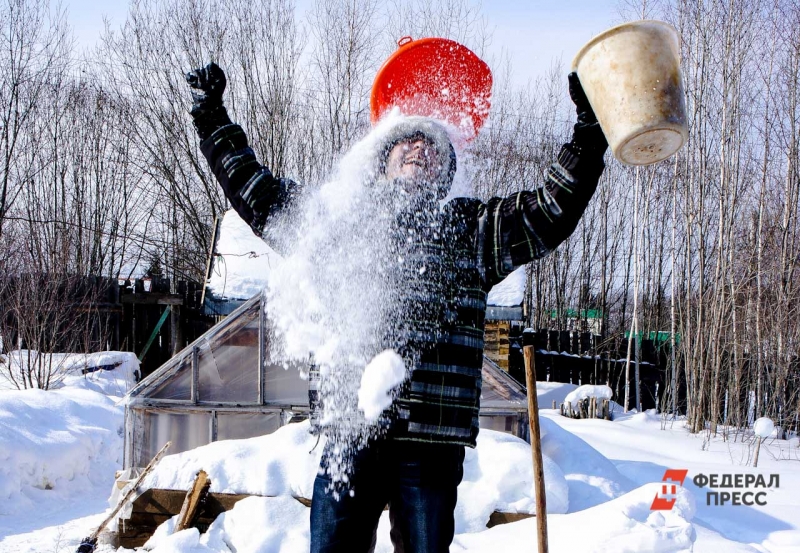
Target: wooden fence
149, 317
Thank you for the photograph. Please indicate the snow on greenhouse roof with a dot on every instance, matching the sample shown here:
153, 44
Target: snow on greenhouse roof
240, 262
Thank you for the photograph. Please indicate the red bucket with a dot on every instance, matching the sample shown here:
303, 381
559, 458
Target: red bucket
438, 78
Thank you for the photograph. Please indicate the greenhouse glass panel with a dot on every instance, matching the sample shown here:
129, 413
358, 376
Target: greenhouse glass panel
284, 386
185, 430
177, 386
228, 362
234, 426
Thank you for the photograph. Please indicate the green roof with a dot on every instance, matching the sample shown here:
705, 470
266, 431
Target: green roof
573, 314
657, 336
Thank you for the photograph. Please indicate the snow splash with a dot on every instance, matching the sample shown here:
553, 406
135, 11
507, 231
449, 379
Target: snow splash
381, 376
341, 294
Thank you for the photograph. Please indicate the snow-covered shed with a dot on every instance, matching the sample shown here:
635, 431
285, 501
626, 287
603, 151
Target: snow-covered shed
505, 300
224, 386
504, 317
237, 267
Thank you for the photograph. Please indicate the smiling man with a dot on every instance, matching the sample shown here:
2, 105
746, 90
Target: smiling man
445, 258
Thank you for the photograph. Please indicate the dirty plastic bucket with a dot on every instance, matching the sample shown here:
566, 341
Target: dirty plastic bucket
631, 76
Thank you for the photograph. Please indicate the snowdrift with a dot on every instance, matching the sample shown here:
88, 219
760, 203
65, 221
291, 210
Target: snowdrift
56, 443
111, 373
497, 477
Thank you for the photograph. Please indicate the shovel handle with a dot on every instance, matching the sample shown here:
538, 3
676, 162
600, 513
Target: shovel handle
536, 449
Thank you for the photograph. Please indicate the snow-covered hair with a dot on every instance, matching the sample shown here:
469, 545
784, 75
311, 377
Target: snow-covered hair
427, 129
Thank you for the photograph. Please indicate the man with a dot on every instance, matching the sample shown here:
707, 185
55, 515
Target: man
459, 250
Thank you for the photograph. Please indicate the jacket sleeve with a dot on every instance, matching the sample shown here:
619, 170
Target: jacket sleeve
252, 190
529, 225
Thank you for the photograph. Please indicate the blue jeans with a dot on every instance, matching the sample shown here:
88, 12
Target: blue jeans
417, 480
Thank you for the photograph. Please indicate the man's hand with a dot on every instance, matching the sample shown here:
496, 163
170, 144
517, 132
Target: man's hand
208, 84
582, 106
588, 135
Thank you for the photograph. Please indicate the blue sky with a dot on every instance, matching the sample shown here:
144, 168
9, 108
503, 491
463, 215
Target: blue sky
532, 32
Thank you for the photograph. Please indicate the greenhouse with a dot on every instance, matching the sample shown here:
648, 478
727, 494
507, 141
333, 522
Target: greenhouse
224, 386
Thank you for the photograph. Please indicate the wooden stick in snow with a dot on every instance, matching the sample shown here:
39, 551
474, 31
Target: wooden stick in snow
129, 493
536, 450
192, 502
758, 447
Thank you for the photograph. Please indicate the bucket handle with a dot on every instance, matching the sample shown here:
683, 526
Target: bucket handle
404, 40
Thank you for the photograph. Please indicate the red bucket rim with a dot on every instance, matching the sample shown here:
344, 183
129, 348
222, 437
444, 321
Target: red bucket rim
406, 81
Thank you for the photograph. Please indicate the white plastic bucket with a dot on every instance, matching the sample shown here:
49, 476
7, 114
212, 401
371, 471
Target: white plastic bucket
631, 75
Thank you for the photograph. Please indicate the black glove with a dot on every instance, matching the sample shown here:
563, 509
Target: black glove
582, 106
208, 84
588, 136
87, 545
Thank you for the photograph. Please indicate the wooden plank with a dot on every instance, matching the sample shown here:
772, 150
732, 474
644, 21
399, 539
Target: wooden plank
497, 518
191, 503
170, 502
131, 536
152, 298
155, 506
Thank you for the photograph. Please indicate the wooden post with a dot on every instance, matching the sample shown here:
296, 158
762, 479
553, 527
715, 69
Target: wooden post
536, 450
176, 328
758, 447
554, 404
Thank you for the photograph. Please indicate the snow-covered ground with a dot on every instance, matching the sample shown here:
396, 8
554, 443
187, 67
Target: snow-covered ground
108, 372
602, 477
59, 450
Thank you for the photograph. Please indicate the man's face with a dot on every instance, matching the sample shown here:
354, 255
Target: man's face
413, 162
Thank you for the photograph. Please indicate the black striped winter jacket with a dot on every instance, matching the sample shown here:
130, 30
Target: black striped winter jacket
475, 246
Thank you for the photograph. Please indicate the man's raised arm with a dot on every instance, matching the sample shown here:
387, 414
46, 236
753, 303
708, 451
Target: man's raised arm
250, 187
532, 223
